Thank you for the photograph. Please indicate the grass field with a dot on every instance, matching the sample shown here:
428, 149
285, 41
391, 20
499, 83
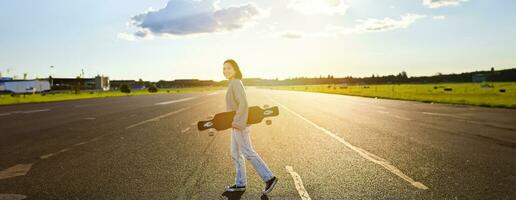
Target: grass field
49, 97
486, 94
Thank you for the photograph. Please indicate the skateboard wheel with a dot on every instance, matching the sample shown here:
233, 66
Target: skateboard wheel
268, 122
211, 132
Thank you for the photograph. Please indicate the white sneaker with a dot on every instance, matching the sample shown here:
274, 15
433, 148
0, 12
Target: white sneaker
235, 188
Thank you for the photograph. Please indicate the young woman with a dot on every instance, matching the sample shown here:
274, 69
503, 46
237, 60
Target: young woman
241, 147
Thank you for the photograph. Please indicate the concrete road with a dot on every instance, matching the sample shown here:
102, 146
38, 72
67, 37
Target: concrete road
322, 146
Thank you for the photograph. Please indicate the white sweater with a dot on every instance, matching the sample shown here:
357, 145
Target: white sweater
236, 100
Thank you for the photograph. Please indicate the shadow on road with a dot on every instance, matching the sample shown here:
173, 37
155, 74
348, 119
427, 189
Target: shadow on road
232, 195
238, 195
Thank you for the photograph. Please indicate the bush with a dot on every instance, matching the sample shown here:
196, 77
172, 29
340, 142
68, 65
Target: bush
125, 88
152, 89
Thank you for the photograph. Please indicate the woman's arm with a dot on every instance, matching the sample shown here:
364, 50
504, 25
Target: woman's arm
240, 119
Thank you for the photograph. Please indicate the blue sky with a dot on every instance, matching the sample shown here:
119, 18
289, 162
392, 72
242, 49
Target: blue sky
161, 39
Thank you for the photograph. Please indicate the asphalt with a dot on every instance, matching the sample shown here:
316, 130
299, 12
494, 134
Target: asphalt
321, 146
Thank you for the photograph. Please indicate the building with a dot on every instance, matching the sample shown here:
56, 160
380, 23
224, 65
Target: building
102, 83
8, 85
97, 83
479, 78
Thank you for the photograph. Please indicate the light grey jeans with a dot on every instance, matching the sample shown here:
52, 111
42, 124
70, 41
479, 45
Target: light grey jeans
241, 148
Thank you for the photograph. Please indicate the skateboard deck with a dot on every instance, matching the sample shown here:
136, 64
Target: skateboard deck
223, 121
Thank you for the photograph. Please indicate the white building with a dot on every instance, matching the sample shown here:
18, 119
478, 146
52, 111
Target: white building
24, 86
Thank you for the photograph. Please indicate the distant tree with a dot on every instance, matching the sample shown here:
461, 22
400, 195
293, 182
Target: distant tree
24, 76
152, 89
404, 75
125, 88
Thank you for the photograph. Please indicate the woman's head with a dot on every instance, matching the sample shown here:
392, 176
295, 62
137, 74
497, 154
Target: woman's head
232, 70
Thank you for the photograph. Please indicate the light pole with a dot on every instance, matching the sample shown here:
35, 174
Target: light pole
51, 67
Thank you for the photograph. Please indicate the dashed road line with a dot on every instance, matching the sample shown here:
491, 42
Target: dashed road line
12, 197
33, 111
80, 106
158, 117
16, 170
80, 143
43, 157
443, 114
365, 154
175, 101
298, 183
24, 112
95, 138
185, 130
213, 93
403, 118
64, 150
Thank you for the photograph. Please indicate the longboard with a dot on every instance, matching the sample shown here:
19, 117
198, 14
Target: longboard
223, 121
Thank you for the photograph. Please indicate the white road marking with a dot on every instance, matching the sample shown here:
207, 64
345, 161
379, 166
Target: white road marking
90, 118
64, 150
213, 93
80, 106
16, 170
12, 197
80, 143
298, 183
442, 114
403, 118
43, 157
24, 112
95, 139
365, 154
185, 130
175, 101
32, 111
158, 117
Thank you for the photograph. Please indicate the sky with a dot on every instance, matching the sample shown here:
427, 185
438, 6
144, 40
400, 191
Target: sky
180, 39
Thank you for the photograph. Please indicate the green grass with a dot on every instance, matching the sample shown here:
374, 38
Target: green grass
36, 98
461, 93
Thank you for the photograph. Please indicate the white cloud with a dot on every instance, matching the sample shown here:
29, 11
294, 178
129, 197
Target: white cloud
439, 17
291, 34
126, 36
365, 26
442, 3
327, 7
379, 25
186, 17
